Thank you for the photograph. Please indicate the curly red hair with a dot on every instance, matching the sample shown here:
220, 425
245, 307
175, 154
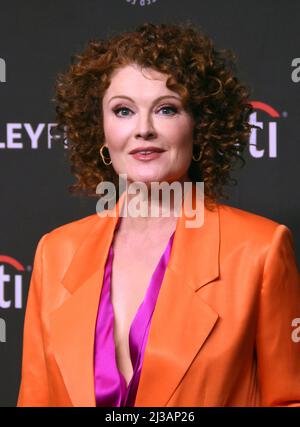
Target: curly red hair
204, 77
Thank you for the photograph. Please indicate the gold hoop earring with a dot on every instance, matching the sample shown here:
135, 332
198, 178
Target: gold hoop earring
103, 157
200, 155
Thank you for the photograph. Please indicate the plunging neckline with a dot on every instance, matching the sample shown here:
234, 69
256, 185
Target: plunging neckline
111, 388
134, 356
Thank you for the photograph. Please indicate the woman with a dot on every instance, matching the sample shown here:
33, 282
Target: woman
144, 310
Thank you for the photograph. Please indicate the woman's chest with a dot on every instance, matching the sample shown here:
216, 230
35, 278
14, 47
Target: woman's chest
130, 279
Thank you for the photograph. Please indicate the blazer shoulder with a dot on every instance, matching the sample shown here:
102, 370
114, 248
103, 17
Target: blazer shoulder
58, 246
247, 225
73, 231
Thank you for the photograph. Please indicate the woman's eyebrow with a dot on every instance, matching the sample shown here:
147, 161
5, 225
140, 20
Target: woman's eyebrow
157, 99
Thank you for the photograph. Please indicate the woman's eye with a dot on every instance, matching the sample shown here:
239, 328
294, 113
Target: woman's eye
117, 110
125, 112
169, 108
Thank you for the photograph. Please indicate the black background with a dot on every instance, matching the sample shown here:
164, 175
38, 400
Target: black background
37, 40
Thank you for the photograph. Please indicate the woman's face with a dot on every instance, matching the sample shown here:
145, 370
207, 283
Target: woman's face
139, 111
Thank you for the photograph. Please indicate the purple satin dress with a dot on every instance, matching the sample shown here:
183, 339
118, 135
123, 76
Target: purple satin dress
109, 383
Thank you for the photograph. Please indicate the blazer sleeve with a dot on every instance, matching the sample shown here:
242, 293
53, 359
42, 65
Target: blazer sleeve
277, 340
33, 389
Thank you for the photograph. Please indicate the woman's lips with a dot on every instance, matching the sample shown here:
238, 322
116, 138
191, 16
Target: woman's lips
151, 156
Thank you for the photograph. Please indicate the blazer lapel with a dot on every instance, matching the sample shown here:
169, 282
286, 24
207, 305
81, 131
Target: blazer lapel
180, 324
181, 320
73, 323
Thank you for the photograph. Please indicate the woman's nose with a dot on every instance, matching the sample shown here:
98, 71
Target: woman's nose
145, 128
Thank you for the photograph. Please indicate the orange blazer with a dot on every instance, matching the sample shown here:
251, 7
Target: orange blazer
223, 333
